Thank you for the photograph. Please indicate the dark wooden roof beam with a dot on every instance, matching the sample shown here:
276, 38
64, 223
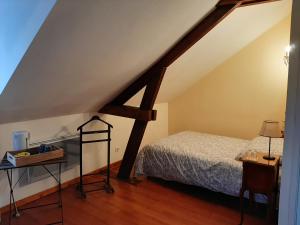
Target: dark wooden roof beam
152, 78
129, 112
244, 2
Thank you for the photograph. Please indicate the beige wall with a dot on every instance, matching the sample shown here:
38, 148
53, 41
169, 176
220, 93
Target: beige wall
237, 96
94, 154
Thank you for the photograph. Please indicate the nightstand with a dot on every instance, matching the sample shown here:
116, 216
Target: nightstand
260, 176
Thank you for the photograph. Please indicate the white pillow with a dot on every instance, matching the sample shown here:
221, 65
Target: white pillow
261, 144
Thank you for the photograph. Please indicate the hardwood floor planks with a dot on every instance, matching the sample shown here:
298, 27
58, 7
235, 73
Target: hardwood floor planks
151, 202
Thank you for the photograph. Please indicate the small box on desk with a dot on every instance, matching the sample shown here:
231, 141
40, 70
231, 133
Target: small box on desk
33, 155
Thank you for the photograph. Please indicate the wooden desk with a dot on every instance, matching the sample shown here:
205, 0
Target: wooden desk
260, 176
8, 168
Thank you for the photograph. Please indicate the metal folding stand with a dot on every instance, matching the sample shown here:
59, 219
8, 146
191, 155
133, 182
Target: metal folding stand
107, 186
8, 168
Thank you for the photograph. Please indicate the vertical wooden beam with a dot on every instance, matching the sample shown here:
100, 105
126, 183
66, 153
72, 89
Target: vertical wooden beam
139, 126
152, 77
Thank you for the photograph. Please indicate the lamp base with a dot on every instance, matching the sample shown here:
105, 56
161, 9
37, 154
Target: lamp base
267, 157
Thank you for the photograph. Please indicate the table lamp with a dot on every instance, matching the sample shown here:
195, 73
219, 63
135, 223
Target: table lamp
271, 130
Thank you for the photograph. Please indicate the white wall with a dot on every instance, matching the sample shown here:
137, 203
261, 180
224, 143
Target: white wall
289, 208
94, 154
231, 99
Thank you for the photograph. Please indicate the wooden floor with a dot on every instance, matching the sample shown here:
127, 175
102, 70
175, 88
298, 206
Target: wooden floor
150, 202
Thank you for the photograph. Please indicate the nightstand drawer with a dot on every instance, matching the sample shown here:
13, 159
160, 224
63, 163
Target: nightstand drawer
259, 178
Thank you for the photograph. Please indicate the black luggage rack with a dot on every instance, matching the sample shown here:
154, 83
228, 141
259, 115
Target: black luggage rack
107, 186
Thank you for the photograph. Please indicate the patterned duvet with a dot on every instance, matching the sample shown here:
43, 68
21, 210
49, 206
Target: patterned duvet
199, 159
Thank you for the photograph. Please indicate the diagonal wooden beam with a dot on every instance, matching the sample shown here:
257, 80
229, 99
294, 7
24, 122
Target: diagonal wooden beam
256, 2
244, 2
187, 41
140, 83
129, 112
152, 79
199, 31
139, 126
223, 8
134, 87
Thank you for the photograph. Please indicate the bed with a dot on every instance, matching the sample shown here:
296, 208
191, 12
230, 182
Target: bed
200, 159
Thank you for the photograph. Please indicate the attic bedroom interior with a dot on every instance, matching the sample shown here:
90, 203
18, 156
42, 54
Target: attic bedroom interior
149, 112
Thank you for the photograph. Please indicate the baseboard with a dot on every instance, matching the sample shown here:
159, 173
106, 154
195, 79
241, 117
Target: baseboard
52, 190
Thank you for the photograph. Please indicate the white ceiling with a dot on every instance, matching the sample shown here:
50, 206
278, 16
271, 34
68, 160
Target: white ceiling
236, 31
85, 54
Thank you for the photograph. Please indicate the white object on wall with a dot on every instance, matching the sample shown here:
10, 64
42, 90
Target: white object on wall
20, 140
48, 128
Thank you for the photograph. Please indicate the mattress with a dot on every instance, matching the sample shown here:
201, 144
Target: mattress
200, 159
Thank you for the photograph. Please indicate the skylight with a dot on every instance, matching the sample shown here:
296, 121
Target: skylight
19, 23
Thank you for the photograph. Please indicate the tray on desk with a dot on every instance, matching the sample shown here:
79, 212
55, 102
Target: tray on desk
34, 157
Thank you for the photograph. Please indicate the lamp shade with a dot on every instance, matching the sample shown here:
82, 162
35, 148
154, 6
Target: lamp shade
270, 129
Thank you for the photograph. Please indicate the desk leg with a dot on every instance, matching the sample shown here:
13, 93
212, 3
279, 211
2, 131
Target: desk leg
11, 196
9, 216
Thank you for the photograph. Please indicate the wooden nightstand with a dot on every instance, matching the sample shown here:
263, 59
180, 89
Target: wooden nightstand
260, 176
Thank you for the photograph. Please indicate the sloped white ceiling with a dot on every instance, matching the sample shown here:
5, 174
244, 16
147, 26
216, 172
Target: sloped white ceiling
236, 31
87, 52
